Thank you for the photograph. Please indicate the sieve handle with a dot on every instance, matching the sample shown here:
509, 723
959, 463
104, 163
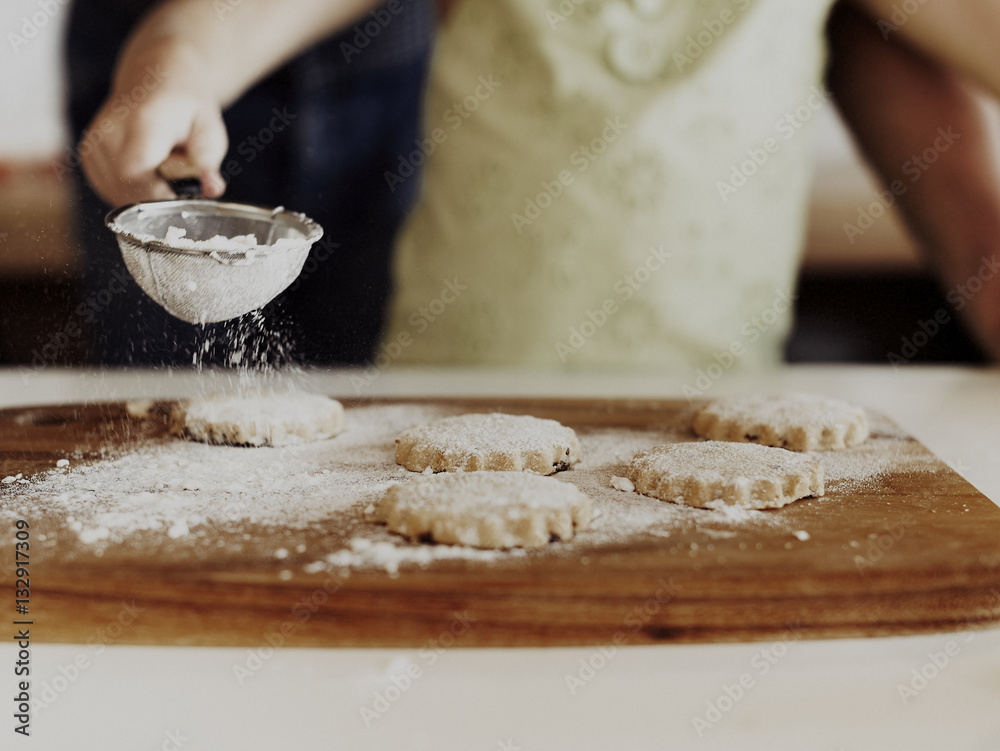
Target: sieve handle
185, 187
181, 176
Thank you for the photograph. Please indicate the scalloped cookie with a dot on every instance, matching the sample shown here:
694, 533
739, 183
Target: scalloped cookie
486, 509
489, 442
747, 475
798, 422
262, 420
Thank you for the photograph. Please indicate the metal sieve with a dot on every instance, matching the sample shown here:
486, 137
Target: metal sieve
201, 285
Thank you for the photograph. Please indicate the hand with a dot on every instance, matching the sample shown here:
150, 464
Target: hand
128, 139
185, 61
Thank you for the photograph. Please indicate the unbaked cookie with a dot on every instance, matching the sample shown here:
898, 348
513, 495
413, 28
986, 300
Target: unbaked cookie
799, 422
267, 419
486, 509
494, 442
701, 474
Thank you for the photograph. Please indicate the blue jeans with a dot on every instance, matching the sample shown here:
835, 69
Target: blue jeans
317, 136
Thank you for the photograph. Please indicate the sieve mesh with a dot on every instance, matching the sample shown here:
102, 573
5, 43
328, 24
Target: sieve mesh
203, 285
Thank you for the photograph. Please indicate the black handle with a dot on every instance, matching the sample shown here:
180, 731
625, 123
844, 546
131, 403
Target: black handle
186, 187
181, 176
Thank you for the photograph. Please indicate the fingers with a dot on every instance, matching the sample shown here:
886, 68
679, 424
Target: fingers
147, 140
206, 148
117, 179
120, 154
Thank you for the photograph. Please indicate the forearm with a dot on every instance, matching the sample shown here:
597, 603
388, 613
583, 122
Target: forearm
184, 63
960, 33
223, 47
925, 134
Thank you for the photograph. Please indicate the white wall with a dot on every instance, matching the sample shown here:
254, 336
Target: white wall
31, 119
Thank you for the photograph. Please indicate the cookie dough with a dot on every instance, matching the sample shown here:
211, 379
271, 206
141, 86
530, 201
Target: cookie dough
705, 474
494, 442
269, 419
799, 422
486, 509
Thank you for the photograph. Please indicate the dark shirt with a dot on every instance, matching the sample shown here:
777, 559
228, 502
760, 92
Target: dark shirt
349, 107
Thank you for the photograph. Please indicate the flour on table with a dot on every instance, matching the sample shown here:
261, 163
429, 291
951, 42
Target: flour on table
140, 407
315, 501
390, 555
888, 450
622, 483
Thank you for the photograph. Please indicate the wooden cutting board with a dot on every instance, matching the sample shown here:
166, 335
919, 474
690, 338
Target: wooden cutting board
906, 552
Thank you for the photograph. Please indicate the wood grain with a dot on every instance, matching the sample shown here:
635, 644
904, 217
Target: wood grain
939, 569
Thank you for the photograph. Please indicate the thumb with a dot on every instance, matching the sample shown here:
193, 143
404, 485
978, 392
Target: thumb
205, 149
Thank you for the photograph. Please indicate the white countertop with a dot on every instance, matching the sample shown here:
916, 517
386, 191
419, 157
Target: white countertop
828, 694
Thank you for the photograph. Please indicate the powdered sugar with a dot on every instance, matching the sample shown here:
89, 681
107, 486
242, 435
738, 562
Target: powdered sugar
486, 509
184, 489
389, 556
267, 418
622, 483
887, 450
492, 441
177, 238
743, 474
800, 422
311, 505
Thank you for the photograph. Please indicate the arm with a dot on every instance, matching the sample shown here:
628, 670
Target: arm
960, 33
185, 62
901, 102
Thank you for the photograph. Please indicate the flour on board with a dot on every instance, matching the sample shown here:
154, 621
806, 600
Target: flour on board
315, 501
